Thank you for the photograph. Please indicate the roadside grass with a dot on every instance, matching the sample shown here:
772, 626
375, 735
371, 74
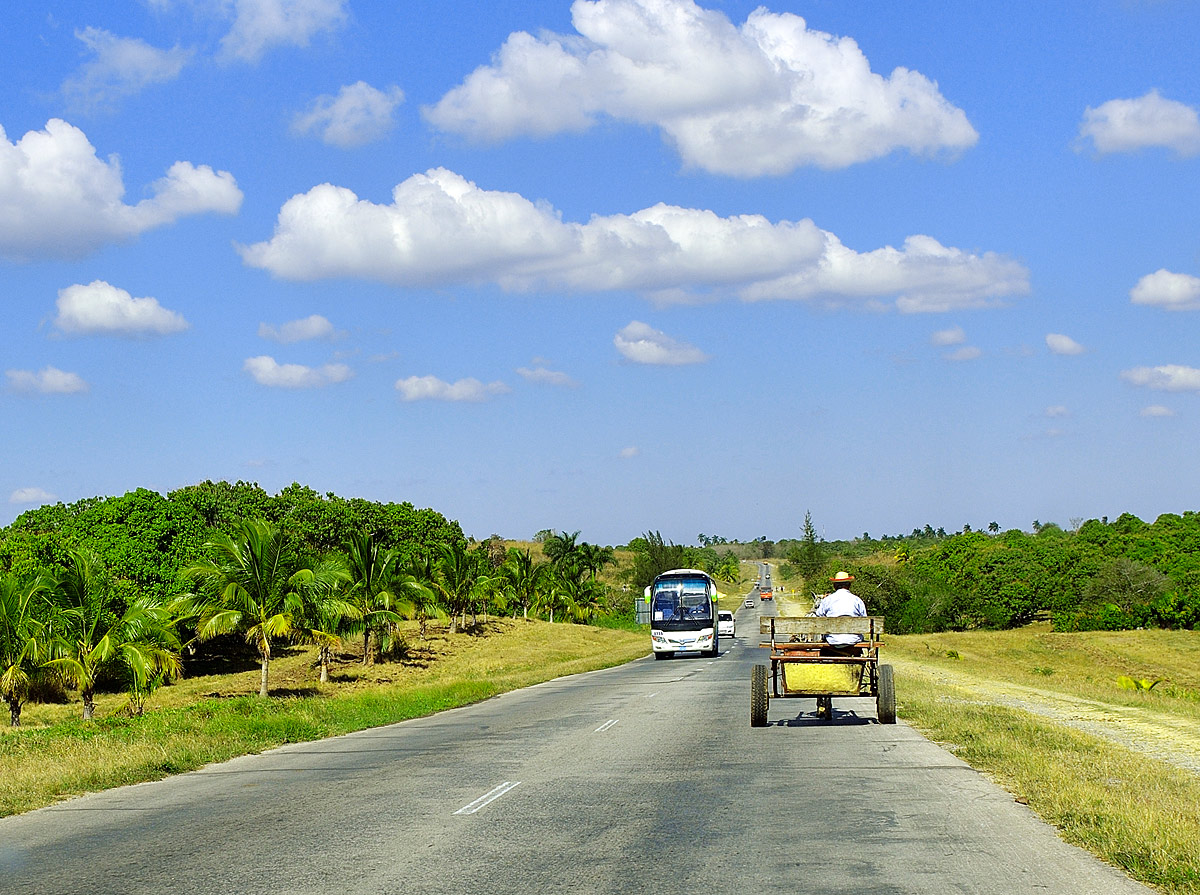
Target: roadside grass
1134, 812
1089, 664
1131, 810
205, 719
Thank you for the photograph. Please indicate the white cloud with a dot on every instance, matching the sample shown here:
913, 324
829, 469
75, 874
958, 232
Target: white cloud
1156, 410
1167, 378
643, 344
101, 309
46, 381
37, 496
1057, 411
267, 371
1060, 344
430, 388
259, 25
966, 353
358, 115
58, 199
1127, 125
122, 67
543, 376
946, 337
764, 97
441, 229
1171, 291
629, 452
313, 326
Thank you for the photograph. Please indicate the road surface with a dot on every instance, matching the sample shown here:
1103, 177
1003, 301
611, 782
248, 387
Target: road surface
643, 778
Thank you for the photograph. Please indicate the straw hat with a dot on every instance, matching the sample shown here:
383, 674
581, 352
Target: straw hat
842, 578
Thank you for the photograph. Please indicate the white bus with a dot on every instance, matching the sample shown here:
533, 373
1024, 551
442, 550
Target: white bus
683, 613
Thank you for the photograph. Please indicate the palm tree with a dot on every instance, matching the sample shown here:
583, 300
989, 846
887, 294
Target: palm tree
373, 572
325, 613
87, 637
422, 592
249, 585
560, 546
593, 558
457, 579
523, 579
23, 638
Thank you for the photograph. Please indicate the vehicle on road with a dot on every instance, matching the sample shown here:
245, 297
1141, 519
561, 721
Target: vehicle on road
749, 602
764, 592
802, 665
683, 613
726, 626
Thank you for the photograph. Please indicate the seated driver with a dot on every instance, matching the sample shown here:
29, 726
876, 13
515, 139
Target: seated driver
842, 602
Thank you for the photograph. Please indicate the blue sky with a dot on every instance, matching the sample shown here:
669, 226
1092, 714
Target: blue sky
608, 266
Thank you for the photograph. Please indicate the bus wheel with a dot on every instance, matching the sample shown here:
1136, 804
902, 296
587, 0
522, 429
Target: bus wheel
758, 696
885, 701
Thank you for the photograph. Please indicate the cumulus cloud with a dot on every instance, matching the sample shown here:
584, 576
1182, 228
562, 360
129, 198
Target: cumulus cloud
267, 371
1060, 344
442, 229
643, 344
260, 25
1171, 291
966, 353
58, 199
764, 97
122, 67
1156, 410
1127, 125
1167, 378
102, 309
946, 337
46, 381
37, 496
543, 376
629, 452
313, 326
1057, 411
430, 388
358, 115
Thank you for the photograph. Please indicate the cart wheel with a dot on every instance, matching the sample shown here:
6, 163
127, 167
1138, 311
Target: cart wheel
885, 700
758, 696
825, 708
663, 655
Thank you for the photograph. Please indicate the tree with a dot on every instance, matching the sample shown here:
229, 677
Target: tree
455, 575
523, 579
24, 645
88, 637
249, 584
373, 572
560, 546
325, 613
593, 558
653, 556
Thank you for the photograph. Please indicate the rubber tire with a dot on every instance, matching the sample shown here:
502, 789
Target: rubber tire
663, 655
716, 650
885, 699
758, 696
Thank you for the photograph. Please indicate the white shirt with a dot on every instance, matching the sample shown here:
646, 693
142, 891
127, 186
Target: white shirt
841, 603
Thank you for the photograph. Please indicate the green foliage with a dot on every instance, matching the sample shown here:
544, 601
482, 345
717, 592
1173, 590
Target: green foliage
654, 556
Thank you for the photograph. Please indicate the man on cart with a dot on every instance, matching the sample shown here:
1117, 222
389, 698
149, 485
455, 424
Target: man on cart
842, 602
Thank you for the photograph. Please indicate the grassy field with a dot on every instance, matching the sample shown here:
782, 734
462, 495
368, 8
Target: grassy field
216, 717
1039, 712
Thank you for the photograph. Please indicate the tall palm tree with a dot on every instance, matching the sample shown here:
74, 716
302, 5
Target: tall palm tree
24, 643
250, 585
560, 546
373, 573
523, 579
457, 571
87, 637
422, 573
325, 613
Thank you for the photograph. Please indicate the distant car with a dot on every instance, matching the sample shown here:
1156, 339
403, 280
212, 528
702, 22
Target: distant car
725, 623
749, 602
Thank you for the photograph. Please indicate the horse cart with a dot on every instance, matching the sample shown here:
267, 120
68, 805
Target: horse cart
803, 665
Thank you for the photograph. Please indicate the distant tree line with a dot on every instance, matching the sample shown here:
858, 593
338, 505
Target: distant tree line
108, 592
1100, 575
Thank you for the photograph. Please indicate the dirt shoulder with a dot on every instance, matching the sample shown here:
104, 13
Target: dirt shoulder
1164, 737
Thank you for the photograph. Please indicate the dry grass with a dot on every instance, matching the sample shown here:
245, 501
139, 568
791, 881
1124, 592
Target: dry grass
212, 718
1132, 810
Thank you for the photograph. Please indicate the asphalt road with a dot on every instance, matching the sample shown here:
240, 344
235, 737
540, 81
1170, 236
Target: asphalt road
643, 778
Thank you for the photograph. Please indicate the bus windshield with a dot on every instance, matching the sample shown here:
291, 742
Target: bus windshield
681, 600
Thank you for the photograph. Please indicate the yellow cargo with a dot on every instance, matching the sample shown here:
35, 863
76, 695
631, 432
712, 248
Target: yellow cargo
833, 680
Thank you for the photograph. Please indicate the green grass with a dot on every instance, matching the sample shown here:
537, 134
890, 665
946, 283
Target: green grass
203, 720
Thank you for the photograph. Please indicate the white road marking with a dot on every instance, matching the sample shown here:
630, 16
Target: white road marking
651, 695
605, 726
489, 797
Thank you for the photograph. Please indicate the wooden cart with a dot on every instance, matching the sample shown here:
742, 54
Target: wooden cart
801, 666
